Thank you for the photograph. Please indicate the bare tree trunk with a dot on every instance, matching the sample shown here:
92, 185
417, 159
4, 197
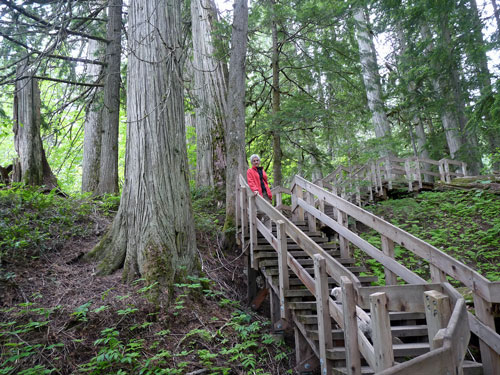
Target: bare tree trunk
496, 13
153, 235
277, 152
371, 75
32, 167
441, 87
108, 175
470, 141
235, 133
210, 97
480, 60
92, 128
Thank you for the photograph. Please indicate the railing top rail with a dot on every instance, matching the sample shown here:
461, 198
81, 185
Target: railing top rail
446, 263
334, 268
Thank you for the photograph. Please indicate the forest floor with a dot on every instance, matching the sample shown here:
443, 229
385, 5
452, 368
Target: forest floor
463, 223
58, 317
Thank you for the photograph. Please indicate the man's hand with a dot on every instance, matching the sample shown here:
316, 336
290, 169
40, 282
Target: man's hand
256, 192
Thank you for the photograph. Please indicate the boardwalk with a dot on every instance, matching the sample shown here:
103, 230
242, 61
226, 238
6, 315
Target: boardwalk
414, 326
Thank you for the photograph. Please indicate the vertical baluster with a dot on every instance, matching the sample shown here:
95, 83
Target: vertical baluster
324, 323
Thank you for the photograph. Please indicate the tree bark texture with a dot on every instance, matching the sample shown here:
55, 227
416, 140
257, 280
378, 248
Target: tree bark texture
480, 60
441, 87
210, 97
277, 152
32, 167
235, 133
371, 77
108, 175
92, 127
470, 144
496, 13
153, 234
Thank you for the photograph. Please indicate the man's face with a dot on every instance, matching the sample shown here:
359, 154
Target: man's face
255, 162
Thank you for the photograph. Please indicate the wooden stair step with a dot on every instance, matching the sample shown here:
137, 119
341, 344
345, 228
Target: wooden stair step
309, 262
409, 331
295, 253
400, 351
469, 367
294, 246
303, 305
317, 239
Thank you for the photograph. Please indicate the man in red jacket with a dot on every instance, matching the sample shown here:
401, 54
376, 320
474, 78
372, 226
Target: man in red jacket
257, 178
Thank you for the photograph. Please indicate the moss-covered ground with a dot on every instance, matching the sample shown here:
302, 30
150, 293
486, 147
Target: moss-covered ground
463, 224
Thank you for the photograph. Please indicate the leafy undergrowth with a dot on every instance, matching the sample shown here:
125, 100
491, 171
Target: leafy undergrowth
58, 317
463, 224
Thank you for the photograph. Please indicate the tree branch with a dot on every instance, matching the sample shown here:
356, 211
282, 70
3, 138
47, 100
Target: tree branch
48, 24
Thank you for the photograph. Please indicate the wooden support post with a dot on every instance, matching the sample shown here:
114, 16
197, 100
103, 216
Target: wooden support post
300, 212
284, 279
343, 243
418, 173
323, 311
252, 220
244, 216
437, 313
490, 359
274, 302
381, 332
353, 359
279, 200
409, 176
437, 276
306, 359
311, 220
379, 180
388, 173
441, 171
447, 171
321, 201
464, 169
251, 280
388, 249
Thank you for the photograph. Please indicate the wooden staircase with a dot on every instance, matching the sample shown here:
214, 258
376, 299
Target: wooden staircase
406, 326
409, 328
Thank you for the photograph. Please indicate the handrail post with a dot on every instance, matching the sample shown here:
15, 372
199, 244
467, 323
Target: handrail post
244, 215
322, 308
279, 201
252, 217
321, 201
409, 176
283, 268
437, 313
381, 332
490, 359
447, 171
441, 171
418, 173
299, 192
437, 275
388, 173
388, 249
353, 359
311, 220
464, 169
343, 243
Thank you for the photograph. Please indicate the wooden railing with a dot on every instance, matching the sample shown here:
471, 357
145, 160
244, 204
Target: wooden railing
449, 335
441, 265
350, 182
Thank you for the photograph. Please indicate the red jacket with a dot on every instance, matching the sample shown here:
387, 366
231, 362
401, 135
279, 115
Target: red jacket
253, 179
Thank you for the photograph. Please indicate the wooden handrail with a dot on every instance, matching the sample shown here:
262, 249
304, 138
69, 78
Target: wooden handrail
453, 340
446, 263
